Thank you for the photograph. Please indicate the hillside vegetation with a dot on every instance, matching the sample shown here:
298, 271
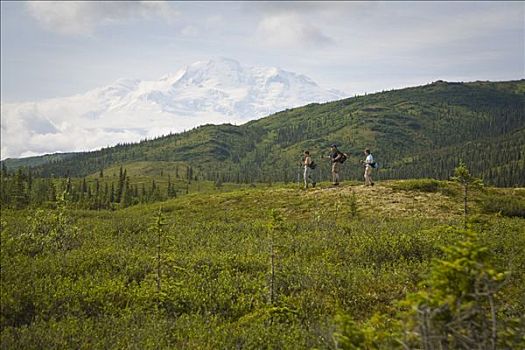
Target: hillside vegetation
269, 268
415, 132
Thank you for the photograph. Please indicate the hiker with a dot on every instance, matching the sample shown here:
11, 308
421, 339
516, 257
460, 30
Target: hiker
336, 157
309, 166
369, 164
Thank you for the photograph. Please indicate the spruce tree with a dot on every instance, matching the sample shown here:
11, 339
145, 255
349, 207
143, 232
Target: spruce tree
127, 195
19, 190
466, 180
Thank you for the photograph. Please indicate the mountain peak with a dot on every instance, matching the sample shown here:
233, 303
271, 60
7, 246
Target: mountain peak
223, 61
218, 90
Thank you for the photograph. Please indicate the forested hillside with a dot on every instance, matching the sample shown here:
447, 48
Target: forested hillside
415, 132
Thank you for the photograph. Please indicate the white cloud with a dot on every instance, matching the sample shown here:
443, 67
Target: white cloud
190, 31
446, 30
291, 30
63, 125
83, 17
318, 9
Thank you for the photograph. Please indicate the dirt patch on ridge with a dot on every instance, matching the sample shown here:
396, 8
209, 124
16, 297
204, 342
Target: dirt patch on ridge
385, 201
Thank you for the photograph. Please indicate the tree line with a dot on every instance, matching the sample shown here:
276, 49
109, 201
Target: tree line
22, 189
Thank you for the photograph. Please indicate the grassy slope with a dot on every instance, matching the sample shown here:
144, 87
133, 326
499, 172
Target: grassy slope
145, 172
216, 266
14, 163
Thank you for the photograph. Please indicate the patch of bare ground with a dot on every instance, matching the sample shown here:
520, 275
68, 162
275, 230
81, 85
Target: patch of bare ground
383, 200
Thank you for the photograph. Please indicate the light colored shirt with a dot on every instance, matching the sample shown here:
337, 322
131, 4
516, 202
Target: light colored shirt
307, 161
369, 159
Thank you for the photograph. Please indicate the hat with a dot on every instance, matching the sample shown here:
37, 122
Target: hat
333, 145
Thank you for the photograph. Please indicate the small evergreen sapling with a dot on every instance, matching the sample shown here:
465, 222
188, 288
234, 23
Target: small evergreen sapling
466, 180
457, 305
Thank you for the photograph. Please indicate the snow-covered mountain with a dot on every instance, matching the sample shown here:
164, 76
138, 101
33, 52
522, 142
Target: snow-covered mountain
214, 91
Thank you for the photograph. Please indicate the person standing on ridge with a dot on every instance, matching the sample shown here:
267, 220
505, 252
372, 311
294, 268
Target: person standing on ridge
337, 158
309, 166
369, 164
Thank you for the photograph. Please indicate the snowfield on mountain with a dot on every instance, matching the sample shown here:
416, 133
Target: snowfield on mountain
214, 91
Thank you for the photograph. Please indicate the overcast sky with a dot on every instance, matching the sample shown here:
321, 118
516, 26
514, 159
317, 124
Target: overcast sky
59, 49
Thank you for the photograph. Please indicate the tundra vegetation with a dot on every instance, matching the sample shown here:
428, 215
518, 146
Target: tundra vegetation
271, 267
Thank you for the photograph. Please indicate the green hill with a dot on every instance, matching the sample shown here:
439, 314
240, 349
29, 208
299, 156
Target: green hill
415, 132
15, 163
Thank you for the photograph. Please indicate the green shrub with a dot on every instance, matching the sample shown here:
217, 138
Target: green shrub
50, 231
378, 332
506, 206
457, 305
421, 185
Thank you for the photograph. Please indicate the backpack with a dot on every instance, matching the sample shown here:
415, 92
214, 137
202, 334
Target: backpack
343, 158
374, 165
312, 165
